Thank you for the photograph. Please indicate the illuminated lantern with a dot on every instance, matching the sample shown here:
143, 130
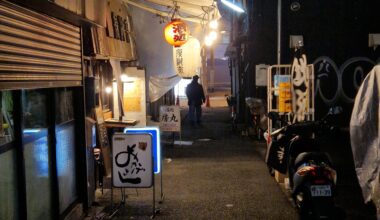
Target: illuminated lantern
187, 59
176, 33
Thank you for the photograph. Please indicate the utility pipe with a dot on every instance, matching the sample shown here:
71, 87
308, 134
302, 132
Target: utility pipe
279, 9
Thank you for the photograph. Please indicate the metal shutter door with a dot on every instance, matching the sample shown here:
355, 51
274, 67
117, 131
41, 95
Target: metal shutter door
37, 51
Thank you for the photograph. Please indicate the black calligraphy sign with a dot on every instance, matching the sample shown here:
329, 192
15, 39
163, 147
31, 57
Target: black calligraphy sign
132, 164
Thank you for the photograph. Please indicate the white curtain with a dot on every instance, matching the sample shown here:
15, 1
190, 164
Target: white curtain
159, 85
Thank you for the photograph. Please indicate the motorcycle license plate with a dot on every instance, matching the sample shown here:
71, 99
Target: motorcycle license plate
320, 190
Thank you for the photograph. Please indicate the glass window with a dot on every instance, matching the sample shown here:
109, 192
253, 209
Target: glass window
36, 154
65, 149
8, 184
64, 105
6, 117
66, 165
106, 78
34, 105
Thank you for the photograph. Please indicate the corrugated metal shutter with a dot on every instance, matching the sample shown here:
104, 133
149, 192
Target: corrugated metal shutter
37, 51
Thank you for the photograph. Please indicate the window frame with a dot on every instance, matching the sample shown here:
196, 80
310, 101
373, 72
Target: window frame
17, 144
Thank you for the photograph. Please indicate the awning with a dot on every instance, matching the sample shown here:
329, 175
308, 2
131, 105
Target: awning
199, 11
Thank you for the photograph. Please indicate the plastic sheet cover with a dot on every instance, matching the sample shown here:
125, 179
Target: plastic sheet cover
365, 134
159, 85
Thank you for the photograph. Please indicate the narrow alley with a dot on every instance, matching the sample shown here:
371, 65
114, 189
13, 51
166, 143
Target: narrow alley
219, 176
101, 109
212, 172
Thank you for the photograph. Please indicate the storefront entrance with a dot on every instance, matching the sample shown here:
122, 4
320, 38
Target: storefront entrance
38, 153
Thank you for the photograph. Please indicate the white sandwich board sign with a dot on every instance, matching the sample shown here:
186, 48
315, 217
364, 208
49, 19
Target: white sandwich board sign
170, 118
132, 160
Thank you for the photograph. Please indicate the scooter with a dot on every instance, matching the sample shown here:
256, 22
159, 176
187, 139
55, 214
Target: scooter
295, 149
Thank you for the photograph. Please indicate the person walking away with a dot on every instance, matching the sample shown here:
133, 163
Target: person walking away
196, 97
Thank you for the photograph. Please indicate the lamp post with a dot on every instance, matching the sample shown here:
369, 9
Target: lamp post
212, 68
211, 37
209, 70
204, 78
279, 10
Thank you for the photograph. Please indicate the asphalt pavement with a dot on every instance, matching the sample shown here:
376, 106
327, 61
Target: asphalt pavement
211, 172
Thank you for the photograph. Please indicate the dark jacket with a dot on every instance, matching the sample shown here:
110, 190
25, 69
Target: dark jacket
195, 94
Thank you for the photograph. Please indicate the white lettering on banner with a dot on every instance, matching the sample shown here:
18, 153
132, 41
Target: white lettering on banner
301, 104
280, 154
300, 87
299, 70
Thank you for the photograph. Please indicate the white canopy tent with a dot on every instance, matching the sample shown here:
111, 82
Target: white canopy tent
149, 18
198, 11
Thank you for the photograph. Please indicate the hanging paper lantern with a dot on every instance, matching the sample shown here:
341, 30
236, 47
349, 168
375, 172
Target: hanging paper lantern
176, 33
187, 59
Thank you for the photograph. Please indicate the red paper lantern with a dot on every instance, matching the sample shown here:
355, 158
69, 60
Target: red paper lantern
176, 33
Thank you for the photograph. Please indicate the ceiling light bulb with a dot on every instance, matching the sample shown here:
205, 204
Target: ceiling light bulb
233, 6
213, 35
213, 24
108, 89
208, 41
124, 77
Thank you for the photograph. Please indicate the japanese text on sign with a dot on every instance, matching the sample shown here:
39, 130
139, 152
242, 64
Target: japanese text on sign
156, 145
179, 60
170, 118
132, 160
179, 30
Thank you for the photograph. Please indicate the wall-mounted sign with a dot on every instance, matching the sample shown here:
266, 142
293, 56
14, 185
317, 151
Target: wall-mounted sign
155, 132
284, 94
170, 118
132, 160
261, 75
187, 58
176, 33
119, 31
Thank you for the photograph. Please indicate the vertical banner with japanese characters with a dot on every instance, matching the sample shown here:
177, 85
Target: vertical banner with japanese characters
132, 160
300, 87
170, 118
187, 58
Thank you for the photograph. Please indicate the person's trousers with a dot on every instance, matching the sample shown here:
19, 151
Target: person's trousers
195, 113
